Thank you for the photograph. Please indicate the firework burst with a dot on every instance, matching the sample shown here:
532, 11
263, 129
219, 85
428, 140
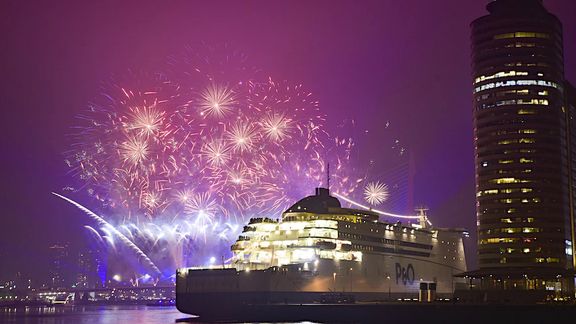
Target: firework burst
376, 193
217, 101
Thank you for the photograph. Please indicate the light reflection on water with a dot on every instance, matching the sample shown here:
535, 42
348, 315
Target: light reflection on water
94, 315
91, 314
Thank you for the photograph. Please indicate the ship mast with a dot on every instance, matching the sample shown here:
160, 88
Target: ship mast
328, 177
422, 218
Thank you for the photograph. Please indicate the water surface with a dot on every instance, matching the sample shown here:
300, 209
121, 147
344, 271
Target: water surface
93, 314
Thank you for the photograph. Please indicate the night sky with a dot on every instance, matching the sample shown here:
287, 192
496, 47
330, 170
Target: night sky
404, 62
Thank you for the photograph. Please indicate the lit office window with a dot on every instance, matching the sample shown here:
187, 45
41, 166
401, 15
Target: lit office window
522, 35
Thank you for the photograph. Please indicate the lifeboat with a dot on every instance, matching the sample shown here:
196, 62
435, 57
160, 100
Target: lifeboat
326, 245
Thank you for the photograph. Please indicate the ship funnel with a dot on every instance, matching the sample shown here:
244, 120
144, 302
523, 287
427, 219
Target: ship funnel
322, 192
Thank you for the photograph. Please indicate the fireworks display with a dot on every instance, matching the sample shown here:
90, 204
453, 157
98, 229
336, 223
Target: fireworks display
179, 161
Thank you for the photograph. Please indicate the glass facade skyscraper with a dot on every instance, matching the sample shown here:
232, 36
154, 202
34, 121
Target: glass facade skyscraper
523, 149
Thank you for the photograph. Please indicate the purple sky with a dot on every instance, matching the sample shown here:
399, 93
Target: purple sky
407, 62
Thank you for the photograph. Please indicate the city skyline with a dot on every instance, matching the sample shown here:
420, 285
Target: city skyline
63, 75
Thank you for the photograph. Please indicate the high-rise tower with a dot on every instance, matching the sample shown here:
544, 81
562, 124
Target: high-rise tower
522, 147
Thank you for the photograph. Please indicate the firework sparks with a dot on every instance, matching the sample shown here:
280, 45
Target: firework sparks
203, 207
146, 120
216, 152
216, 100
134, 150
174, 162
276, 126
376, 193
242, 137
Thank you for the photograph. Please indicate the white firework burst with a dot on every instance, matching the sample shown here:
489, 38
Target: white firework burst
241, 136
216, 100
203, 207
134, 150
217, 153
146, 120
152, 200
183, 196
376, 193
276, 126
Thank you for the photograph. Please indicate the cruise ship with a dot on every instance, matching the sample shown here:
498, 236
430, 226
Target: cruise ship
320, 252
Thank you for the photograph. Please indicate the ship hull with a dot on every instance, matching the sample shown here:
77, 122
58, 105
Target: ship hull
217, 292
258, 307
447, 312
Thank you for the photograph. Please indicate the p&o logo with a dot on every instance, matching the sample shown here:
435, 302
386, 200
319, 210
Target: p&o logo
405, 275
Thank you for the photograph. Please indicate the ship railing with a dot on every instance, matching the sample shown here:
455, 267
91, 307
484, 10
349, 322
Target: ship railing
214, 266
261, 220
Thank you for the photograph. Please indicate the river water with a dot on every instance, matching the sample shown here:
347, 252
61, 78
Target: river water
110, 314
93, 315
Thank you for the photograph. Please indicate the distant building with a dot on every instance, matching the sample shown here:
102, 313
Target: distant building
90, 268
60, 266
524, 149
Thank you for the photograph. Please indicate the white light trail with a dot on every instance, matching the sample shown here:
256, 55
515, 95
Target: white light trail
375, 210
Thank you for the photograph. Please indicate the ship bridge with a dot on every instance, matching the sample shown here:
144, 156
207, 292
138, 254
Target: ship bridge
323, 206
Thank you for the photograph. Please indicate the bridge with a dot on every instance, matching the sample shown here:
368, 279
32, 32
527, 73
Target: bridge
116, 294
